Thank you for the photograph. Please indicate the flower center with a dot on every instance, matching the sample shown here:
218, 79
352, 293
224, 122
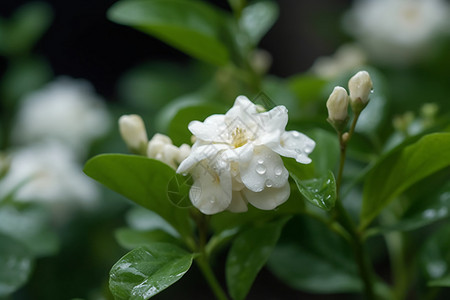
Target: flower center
239, 137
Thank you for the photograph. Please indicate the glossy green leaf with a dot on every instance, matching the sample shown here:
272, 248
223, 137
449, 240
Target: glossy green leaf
131, 238
248, 254
141, 180
257, 18
320, 192
15, 264
401, 169
31, 226
178, 190
312, 258
146, 271
191, 26
434, 257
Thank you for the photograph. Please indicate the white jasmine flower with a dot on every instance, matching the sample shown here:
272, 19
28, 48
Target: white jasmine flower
48, 173
236, 158
67, 110
132, 130
398, 31
160, 147
347, 57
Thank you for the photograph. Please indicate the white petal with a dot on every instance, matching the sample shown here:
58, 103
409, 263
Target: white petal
242, 154
265, 169
269, 198
200, 153
294, 144
209, 130
211, 192
238, 204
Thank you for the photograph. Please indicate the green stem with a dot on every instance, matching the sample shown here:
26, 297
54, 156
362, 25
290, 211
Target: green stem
203, 259
205, 267
357, 242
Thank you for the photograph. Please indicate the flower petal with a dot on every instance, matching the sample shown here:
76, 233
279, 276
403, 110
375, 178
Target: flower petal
269, 198
238, 203
211, 192
199, 153
294, 144
265, 169
273, 124
210, 130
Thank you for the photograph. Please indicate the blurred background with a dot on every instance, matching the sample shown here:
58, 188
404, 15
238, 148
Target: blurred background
68, 73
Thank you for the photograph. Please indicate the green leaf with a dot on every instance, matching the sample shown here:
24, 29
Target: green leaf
25, 28
178, 190
248, 254
400, 170
326, 153
142, 180
132, 238
434, 257
31, 226
191, 26
22, 77
312, 258
422, 213
257, 18
144, 272
142, 219
15, 264
320, 192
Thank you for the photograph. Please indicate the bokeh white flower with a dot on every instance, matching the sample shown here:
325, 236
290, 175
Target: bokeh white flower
398, 31
50, 173
348, 57
67, 110
236, 158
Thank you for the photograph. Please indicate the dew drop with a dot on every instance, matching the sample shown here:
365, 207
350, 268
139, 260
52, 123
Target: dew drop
278, 171
212, 200
269, 183
308, 149
296, 134
260, 169
260, 161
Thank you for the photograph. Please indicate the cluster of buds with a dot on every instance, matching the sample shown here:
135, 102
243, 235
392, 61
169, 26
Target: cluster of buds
360, 87
160, 147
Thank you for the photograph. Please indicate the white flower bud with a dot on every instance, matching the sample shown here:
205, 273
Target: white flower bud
337, 105
160, 147
132, 130
360, 86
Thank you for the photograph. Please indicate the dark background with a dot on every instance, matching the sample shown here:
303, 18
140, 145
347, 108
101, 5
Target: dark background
82, 43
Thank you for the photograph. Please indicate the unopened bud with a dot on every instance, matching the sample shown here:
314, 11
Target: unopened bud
337, 104
360, 87
132, 130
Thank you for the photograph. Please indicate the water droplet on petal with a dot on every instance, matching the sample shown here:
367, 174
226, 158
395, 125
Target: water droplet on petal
269, 183
296, 134
308, 149
260, 169
260, 161
212, 200
278, 171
